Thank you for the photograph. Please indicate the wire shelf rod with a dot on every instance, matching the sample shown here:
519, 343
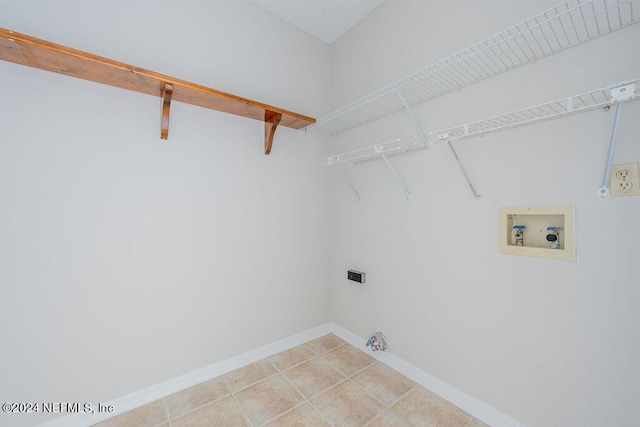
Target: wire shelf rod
414, 121
597, 25
401, 184
347, 183
463, 170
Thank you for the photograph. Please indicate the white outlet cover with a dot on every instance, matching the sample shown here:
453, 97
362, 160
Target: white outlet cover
627, 186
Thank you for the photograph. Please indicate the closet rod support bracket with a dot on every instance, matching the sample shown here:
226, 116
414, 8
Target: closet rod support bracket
380, 151
618, 96
462, 169
414, 121
271, 122
167, 93
604, 190
331, 162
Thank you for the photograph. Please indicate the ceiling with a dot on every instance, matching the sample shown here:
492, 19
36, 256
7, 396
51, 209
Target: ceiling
324, 19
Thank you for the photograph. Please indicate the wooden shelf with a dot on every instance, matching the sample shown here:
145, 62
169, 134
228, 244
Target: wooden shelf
33, 52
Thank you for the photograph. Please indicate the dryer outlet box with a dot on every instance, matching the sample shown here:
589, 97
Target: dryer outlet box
357, 276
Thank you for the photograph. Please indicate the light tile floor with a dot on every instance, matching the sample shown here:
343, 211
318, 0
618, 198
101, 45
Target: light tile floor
325, 382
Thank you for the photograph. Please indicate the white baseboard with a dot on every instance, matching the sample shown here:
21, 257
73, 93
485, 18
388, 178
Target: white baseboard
151, 394
469, 404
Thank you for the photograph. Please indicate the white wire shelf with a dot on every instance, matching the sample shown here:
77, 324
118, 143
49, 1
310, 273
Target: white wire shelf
373, 152
599, 98
379, 151
568, 24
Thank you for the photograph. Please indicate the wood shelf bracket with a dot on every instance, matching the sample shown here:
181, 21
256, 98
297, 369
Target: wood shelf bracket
167, 93
271, 122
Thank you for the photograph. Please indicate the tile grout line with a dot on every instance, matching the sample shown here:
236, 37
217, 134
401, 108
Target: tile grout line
229, 393
294, 406
321, 414
416, 388
315, 356
305, 400
233, 395
393, 412
310, 349
331, 386
384, 405
254, 383
325, 352
389, 408
318, 355
277, 417
367, 392
412, 389
165, 405
297, 364
378, 416
277, 372
471, 422
318, 411
347, 378
386, 408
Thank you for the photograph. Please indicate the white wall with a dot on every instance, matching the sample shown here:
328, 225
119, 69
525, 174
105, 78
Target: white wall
126, 260
549, 343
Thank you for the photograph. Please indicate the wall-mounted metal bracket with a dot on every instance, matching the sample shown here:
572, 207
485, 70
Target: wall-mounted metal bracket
604, 189
416, 125
464, 172
331, 161
618, 96
379, 149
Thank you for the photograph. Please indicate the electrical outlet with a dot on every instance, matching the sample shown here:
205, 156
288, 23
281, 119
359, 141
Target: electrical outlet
623, 175
624, 180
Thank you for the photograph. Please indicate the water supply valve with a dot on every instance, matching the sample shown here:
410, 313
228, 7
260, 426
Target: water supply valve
554, 237
377, 342
518, 234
